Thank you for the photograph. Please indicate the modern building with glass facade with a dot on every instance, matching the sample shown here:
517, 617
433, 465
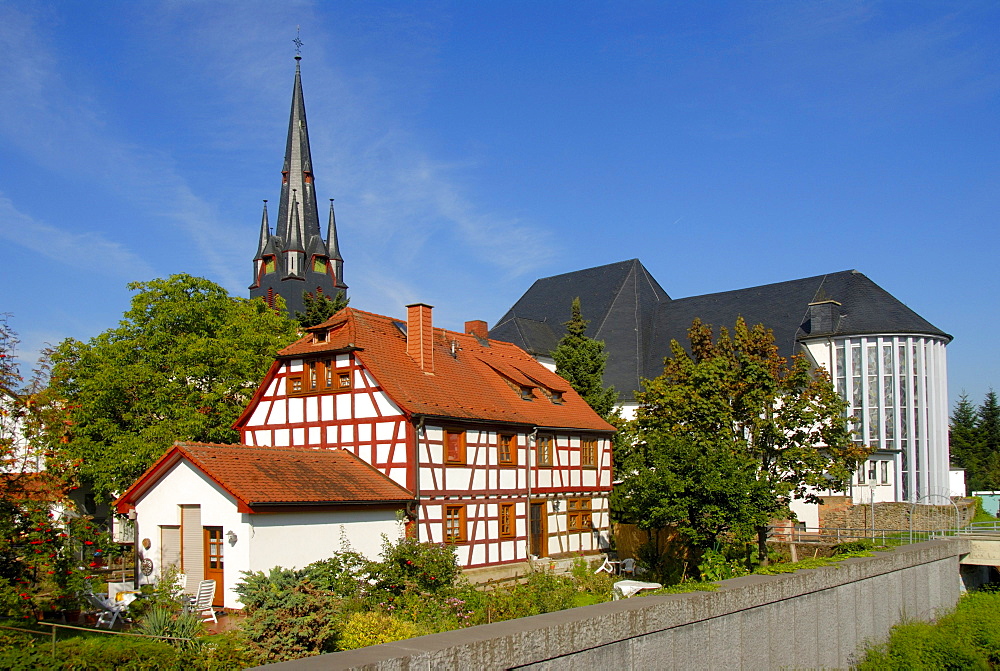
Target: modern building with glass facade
888, 362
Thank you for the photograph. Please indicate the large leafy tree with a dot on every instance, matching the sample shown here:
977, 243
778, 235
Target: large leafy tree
181, 365
320, 307
730, 434
580, 360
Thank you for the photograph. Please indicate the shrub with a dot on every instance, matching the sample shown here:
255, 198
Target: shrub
117, 652
296, 622
266, 590
409, 563
228, 651
507, 603
168, 622
595, 584
345, 574
447, 609
157, 596
717, 565
549, 592
23, 652
850, 547
372, 628
963, 639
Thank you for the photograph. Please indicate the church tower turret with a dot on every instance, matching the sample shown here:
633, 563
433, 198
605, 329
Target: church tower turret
295, 259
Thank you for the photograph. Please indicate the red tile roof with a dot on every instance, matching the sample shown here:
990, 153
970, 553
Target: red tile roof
469, 384
276, 476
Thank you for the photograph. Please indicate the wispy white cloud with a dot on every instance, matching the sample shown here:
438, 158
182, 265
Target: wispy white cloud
87, 250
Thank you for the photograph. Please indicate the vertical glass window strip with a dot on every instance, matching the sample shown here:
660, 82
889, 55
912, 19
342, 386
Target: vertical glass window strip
841, 372
873, 392
856, 386
917, 402
888, 392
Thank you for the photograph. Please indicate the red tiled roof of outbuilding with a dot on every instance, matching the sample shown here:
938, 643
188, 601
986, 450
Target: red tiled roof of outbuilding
276, 476
468, 379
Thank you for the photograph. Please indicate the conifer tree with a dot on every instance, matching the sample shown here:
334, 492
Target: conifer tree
580, 360
988, 430
320, 307
967, 449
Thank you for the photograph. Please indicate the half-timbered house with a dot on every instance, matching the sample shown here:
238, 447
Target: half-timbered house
502, 457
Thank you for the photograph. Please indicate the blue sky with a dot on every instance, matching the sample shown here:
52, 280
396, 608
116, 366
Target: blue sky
474, 147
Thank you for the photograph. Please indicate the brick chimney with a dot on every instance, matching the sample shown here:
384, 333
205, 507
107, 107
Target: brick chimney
477, 327
420, 335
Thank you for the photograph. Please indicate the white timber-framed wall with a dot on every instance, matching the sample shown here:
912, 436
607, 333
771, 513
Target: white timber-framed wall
365, 420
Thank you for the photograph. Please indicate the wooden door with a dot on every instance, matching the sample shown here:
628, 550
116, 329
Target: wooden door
213, 561
537, 530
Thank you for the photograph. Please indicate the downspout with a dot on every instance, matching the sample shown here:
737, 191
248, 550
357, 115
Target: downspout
527, 480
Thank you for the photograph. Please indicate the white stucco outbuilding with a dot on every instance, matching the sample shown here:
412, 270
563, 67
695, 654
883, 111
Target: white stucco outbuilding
217, 510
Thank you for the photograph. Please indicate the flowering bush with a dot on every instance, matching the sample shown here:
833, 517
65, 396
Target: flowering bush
45, 562
409, 563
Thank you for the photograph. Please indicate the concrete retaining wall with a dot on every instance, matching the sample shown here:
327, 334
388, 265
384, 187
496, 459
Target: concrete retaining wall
814, 618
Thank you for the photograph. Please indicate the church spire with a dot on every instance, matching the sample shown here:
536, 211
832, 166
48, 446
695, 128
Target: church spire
265, 234
297, 172
296, 251
333, 249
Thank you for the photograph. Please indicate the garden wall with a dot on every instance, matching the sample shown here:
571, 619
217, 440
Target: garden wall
838, 513
809, 619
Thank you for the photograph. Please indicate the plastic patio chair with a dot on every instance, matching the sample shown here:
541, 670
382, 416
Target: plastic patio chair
627, 567
203, 601
107, 610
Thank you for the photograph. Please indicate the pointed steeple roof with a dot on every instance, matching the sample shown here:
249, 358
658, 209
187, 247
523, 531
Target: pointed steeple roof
265, 234
332, 242
294, 240
297, 172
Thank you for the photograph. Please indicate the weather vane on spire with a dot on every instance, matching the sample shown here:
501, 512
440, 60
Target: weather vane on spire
298, 44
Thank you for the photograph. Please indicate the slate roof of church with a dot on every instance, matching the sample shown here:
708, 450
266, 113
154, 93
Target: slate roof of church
468, 380
271, 477
636, 319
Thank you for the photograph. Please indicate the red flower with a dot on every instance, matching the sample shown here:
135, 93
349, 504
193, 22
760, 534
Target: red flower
88, 542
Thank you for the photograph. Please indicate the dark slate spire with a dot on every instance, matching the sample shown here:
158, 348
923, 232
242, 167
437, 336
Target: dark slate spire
297, 172
333, 244
265, 234
294, 250
297, 244
333, 249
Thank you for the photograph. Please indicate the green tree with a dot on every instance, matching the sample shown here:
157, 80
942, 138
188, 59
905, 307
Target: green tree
580, 360
320, 307
181, 365
988, 431
964, 440
734, 404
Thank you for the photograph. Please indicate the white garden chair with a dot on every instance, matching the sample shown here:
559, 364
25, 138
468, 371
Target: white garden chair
107, 610
203, 601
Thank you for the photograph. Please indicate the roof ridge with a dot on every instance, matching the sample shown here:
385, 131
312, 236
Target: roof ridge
821, 277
